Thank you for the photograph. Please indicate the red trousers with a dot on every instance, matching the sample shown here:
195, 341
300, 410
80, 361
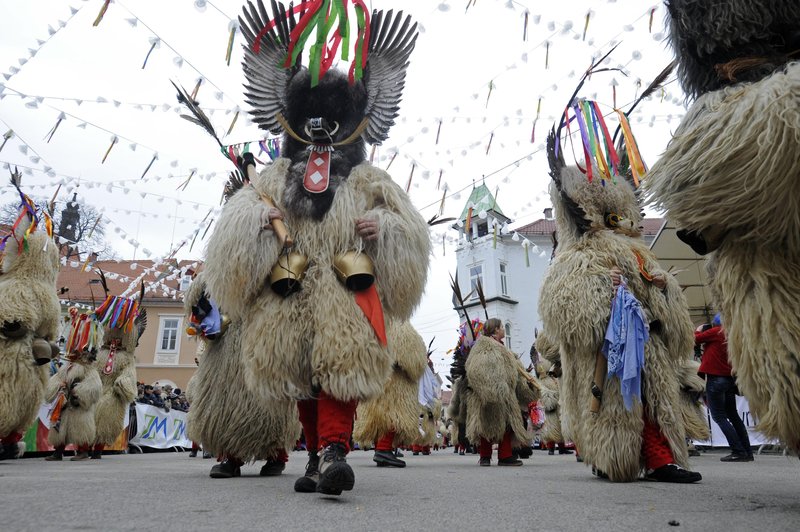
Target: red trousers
326, 420
503, 450
386, 443
12, 438
655, 446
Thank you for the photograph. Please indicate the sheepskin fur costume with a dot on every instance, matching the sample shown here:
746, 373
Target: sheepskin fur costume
397, 408
730, 177
428, 424
457, 412
119, 387
317, 338
225, 415
575, 309
497, 393
28, 298
549, 394
82, 382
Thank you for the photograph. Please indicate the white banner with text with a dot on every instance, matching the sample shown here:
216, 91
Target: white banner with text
160, 429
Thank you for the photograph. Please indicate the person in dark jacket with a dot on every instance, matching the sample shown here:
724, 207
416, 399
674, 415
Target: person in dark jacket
721, 391
151, 398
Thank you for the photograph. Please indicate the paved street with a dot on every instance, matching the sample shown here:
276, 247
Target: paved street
172, 492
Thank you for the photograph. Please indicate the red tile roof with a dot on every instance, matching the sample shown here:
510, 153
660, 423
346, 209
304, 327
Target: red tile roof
119, 276
547, 226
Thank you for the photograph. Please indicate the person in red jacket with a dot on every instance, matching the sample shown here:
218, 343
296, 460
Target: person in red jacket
721, 391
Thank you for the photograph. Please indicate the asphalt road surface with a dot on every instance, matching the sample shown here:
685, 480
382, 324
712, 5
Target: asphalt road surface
162, 492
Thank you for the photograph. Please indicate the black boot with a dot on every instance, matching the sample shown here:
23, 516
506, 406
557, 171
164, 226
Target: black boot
308, 482
80, 456
57, 455
273, 468
10, 451
675, 474
96, 454
525, 452
387, 459
335, 475
228, 468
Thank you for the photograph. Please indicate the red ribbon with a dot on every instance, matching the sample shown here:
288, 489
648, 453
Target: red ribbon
271, 24
370, 305
112, 351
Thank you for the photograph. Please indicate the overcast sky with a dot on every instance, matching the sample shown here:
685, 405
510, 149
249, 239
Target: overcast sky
54, 61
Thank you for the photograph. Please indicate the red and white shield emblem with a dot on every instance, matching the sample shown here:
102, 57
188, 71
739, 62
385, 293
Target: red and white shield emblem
318, 171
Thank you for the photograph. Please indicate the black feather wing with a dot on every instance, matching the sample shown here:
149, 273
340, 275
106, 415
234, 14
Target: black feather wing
266, 77
236, 181
392, 39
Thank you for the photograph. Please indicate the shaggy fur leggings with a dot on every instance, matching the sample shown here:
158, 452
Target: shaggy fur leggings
326, 420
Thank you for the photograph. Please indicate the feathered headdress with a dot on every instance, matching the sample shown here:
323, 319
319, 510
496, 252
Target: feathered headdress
121, 312
272, 57
603, 156
28, 218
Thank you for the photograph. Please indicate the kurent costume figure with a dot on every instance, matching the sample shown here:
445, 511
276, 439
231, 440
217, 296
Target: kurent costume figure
598, 224
75, 390
232, 421
499, 390
427, 428
116, 364
29, 314
390, 419
457, 410
318, 333
551, 435
729, 180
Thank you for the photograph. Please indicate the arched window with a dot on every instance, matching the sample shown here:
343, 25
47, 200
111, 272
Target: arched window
508, 335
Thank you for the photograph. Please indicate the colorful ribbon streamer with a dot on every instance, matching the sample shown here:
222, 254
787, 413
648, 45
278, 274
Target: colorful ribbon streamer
638, 168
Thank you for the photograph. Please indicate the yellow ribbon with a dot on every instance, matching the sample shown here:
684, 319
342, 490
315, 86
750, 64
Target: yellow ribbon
637, 165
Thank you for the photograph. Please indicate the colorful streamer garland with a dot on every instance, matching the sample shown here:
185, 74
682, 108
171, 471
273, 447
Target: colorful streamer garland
598, 146
28, 210
83, 334
119, 312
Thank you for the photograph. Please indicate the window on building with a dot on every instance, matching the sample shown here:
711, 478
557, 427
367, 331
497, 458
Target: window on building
168, 337
503, 279
483, 229
508, 335
475, 277
186, 280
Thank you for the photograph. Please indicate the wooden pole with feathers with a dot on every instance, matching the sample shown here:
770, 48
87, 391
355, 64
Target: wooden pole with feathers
482, 298
656, 84
460, 298
199, 118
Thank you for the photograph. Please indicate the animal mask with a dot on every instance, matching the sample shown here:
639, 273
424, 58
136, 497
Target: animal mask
584, 206
283, 100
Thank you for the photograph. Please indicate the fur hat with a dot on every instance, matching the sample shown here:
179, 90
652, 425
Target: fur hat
722, 43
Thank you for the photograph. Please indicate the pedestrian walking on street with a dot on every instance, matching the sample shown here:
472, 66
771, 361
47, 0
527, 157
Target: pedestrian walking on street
721, 392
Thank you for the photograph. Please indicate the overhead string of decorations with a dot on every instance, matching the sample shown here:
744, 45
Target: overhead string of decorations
416, 160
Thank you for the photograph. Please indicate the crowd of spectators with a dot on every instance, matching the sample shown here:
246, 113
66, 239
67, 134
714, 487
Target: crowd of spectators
162, 397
